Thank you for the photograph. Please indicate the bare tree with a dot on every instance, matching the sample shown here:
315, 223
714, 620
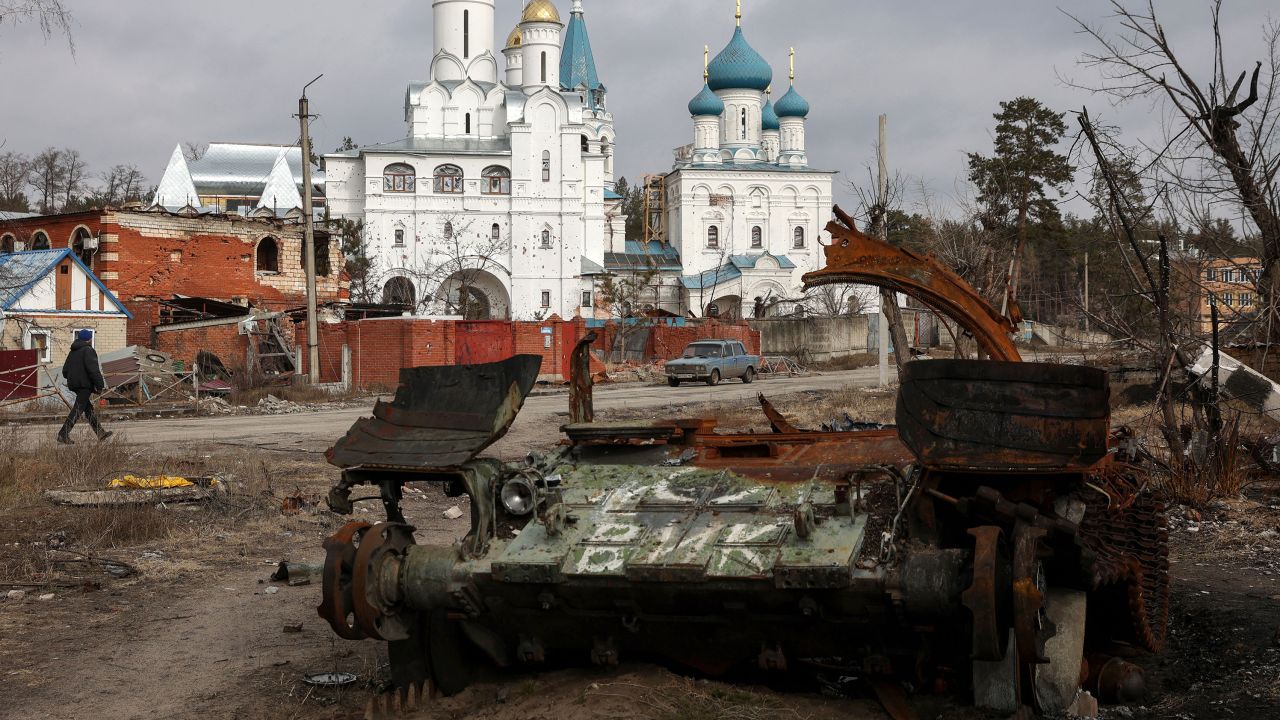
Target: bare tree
15, 169
193, 151
121, 184
50, 15
837, 300
459, 258
1222, 145
72, 180
46, 178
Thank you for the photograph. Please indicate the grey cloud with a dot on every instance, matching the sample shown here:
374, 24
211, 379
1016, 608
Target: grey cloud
148, 75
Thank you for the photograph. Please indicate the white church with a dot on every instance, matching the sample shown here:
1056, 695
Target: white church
502, 186
499, 201
744, 209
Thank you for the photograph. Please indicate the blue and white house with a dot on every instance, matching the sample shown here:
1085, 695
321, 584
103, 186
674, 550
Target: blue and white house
745, 210
503, 182
46, 296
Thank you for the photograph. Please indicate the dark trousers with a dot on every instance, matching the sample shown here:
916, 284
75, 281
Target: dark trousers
83, 406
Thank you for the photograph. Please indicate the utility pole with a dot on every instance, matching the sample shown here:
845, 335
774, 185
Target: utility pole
1086, 292
886, 296
309, 237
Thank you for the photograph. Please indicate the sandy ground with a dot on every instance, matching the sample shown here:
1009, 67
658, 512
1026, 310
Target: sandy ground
198, 635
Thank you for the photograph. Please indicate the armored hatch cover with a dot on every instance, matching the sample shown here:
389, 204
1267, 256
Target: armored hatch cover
686, 524
441, 417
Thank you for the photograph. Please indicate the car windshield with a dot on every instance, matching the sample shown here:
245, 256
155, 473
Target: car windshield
707, 350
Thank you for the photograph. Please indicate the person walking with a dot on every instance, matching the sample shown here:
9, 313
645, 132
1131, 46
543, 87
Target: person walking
84, 378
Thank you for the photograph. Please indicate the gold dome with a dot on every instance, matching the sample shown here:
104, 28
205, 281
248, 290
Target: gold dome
515, 39
540, 11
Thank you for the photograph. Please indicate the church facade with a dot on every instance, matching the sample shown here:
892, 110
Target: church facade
498, 202
745, 210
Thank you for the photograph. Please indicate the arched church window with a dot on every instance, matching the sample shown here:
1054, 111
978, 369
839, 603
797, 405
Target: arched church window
39, 241
449, 179
466, 34
757, 237
6, 243
544, 68
78, 242
546, 239
546, 166
399, 291
399, 237
586, 144
713, 237
495, 233
399, 178
497, 180
322, 257
744, 123
468, 123
268, 256
448, 231
799, 237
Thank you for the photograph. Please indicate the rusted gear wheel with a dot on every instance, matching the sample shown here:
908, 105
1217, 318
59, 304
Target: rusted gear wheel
337, 605
1131, 572
985, 597
376, 601
1031, 626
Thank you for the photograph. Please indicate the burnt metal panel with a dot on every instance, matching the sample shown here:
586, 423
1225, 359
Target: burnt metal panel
441, 417
976, 414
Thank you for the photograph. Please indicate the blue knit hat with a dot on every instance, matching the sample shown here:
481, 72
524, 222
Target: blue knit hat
85, 335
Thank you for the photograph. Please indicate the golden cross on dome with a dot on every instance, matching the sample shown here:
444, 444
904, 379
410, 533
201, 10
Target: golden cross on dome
706, 63
793, 66
739, 15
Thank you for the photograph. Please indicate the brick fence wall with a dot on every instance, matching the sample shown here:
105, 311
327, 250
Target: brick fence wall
381, 347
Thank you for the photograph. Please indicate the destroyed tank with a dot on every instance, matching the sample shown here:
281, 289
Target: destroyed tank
972, 546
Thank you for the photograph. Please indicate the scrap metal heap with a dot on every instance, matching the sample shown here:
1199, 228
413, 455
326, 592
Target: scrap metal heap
996, 538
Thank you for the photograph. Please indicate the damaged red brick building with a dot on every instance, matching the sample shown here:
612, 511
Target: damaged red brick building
151, 258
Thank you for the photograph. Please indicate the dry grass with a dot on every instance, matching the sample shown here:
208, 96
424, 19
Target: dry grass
36, 532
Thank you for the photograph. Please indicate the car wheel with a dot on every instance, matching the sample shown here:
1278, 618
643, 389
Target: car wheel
714, 379
749, 376
673, 382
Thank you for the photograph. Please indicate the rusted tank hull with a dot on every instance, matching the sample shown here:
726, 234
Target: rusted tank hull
984, 415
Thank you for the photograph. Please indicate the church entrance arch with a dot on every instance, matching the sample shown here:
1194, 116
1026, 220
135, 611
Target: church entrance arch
475, 295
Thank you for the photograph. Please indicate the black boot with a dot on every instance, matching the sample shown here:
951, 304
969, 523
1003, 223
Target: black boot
64, 438
103, 434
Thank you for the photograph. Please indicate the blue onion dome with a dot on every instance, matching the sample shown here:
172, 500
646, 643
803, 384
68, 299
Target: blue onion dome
792, 105
769, 118
706, 103
739, 67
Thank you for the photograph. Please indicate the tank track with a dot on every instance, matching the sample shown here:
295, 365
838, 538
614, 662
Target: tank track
1129, 537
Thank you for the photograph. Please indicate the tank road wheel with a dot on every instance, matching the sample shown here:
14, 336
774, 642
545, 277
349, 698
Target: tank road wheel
382, 548
714, 378
1028, 638
337, 604
749, 376
673, 382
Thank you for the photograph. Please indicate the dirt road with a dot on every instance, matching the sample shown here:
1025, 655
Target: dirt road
314, 432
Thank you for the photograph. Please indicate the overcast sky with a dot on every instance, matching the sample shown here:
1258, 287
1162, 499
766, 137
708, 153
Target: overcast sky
147, 75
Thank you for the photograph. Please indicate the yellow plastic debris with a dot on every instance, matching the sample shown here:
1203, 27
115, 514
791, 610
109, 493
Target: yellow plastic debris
134, 482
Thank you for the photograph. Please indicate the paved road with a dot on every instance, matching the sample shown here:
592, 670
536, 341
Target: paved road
541, 417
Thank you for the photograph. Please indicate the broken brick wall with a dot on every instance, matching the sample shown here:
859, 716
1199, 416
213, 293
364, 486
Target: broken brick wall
225, 341
147, 256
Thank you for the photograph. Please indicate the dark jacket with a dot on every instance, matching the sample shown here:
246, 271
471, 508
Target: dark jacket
81, 368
